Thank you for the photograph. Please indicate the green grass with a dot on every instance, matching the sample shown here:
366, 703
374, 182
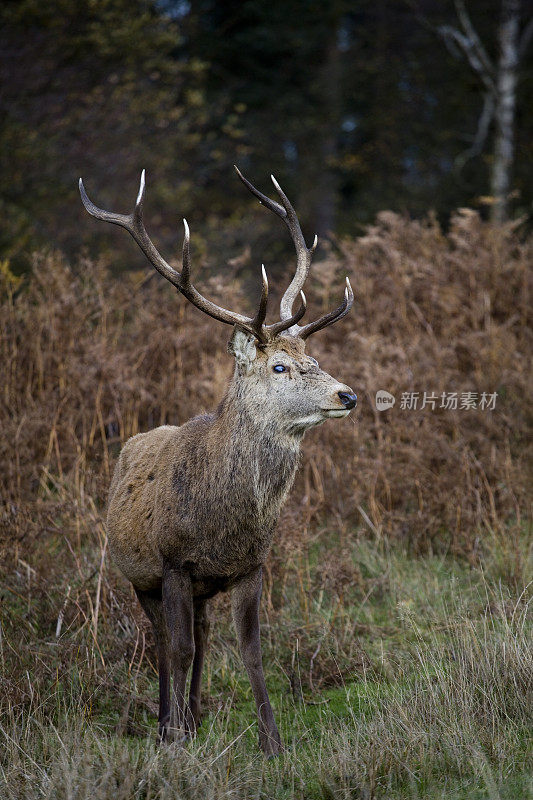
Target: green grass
390, 676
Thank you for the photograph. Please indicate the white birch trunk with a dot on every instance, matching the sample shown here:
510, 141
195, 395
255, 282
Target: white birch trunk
504, 113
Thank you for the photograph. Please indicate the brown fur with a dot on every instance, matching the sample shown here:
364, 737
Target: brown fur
207, 495
192, 510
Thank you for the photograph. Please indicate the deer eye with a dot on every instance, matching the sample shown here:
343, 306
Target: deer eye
279, 368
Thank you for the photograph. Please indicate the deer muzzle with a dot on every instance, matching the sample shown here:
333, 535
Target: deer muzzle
348, 399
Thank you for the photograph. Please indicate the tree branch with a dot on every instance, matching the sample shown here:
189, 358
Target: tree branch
485, 118
471, 33
452, 36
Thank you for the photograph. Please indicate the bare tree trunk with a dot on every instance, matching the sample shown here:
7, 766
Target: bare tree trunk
504, 112
499, 83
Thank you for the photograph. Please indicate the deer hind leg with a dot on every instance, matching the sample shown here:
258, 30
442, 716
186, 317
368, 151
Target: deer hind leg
152, 605
178, 610
201, 632
245, 606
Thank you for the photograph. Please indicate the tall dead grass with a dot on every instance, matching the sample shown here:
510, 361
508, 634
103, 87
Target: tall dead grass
89, 359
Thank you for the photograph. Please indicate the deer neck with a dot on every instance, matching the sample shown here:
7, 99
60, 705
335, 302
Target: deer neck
260, 459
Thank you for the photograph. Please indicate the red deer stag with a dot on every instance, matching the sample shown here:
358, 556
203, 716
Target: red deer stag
192, 509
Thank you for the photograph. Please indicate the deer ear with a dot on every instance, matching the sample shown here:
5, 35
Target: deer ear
242, 346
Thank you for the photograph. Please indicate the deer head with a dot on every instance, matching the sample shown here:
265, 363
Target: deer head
270, 359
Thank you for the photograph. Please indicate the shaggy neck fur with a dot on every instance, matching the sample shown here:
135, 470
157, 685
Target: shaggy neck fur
260, 459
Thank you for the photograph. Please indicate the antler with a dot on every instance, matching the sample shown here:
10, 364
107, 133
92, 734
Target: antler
329, 319
304, 257
304, 254
134, 224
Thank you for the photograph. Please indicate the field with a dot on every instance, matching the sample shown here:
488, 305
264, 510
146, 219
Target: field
396, 624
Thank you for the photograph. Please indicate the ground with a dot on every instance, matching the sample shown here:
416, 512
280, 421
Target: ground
391, 676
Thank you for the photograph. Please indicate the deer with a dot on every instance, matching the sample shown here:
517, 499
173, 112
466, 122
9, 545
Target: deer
192, 509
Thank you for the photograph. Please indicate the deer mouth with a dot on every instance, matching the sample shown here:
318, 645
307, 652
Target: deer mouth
336, 412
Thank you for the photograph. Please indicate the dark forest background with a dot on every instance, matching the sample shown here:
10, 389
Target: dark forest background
356, 106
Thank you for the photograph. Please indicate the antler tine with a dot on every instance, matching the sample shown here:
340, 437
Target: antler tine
134, 224
333, 316
266, 201
304, 254
285, 324
259, 319
186, 255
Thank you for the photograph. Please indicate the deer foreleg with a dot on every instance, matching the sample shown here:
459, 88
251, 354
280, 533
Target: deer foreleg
153, 608
201, 631
245, 605
178, 608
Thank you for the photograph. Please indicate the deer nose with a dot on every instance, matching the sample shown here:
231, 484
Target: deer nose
349, 400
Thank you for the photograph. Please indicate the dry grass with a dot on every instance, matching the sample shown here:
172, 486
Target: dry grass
440, 705
410, 693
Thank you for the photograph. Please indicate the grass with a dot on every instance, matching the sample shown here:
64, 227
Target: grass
397, 641
413, 681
